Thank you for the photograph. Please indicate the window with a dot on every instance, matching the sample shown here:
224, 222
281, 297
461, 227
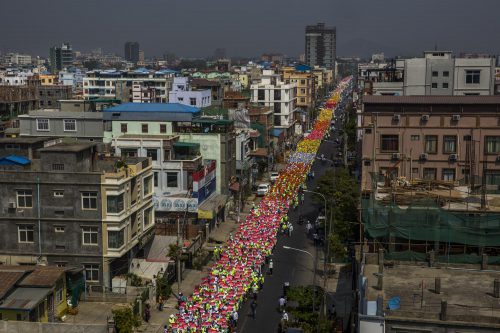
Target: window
147, 185
148, 216
435, 74
58, 193
144, 128
59, 229
24, 198
58, 167
163, 128
69, 125
430, 173
89, 235
445, 85
446, 74
61, 263
89, 200
116, 239
472, 76
492, 144
449, 175
302, 100
180, 99
192, 101
431, 144
91, 272
153, 153
115, 203
467, 138
277, 94
261, 94
302, 82
302, 91
123, 128
155, 179
389, 143
12, 146
434, 85
368, 131
492, 177
128, 152
42, 125
26, 233
277, 120
414, 170
415, 137
59, 295
19, 317
449, 144
172, 179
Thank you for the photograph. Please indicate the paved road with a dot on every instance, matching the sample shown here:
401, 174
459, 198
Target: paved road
289, 266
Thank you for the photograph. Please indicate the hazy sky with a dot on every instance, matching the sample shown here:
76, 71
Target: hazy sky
248, 28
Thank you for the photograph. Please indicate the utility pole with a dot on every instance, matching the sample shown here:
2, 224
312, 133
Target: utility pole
179, 251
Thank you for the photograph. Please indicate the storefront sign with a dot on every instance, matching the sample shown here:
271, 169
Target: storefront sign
172, 204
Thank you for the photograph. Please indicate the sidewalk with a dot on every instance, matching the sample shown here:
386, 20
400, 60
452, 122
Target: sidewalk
192, 278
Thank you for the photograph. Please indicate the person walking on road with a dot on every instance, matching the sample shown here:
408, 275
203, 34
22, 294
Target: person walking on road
271, 266
308, 227
290, 229
234, 317
282, 303
253, 306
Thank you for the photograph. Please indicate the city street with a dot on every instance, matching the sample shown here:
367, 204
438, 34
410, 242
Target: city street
289, 266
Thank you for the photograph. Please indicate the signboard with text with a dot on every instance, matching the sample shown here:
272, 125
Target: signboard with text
204, 183
173, 204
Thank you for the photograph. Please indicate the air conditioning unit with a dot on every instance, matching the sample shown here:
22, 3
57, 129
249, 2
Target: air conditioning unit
12, 205
425, 117
396, 156
424, 156
396, 117
453, 157
455, 117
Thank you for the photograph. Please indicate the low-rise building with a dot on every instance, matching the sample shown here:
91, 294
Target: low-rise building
50, 95
182, 93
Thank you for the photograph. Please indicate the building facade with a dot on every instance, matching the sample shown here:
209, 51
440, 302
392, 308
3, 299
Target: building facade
61, 57
182, 93
132, 52
50, 95
321, 46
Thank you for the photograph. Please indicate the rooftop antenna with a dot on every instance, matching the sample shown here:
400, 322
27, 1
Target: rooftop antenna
435, 47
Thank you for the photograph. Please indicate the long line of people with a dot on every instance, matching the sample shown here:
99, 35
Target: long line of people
239, 266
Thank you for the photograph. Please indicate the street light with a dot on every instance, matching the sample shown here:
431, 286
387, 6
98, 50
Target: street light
314, 273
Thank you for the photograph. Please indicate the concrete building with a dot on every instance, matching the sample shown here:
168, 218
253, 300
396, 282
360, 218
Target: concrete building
119, 84
405, 297
132, 52
50, 95
73, 78
305, 79
448, 138
73, 207
215, 137
16, 100
16, 59
15, 77
321, 46
280, 97
182, 93
47, 79
61, 57
51, 124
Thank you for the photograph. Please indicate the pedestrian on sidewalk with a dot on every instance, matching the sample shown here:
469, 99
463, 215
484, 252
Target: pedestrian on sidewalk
253, 306
271, 266
255, 290
282, 303
147, 313
165, 329
308, 227
161, 301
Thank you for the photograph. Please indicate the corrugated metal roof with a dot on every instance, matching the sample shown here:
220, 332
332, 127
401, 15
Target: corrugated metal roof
153, 107
14, 160
25, 298
43, 277
369, 99
9, 280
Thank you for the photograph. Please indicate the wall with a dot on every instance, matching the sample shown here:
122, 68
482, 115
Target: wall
19, 326
414, 80
486, 84
89, 128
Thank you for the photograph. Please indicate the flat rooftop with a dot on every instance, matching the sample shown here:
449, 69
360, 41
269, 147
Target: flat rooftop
469, 293
68, 147
427, 100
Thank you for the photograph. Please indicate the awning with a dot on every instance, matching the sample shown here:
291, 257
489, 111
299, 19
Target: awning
186, 144
211, 206
276, 132
259, 152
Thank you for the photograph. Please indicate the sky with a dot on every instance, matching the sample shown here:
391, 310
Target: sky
195, 28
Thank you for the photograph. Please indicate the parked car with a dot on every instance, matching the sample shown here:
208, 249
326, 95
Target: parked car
273, 176
262, 189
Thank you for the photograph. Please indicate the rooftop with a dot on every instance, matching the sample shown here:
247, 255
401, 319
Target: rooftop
69, 147
43, 276
153, 107
24, 140
25, 298
63, 114
370, 99
9, 280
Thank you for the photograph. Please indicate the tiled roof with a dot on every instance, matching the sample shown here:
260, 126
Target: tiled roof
43, 276
8, 281
369, 99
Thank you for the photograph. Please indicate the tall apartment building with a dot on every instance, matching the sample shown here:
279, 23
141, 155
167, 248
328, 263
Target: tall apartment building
305, 79
132, 51
448, 138
72, 207
281, 97
61, 57
321, 46
119, 85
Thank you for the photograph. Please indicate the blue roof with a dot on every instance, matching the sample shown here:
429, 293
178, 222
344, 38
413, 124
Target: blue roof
153, 107
302, 68
14, 160
276, 132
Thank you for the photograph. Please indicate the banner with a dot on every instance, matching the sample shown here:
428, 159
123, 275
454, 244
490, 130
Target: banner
173, 204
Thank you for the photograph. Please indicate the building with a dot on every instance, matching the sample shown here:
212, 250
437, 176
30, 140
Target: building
305, 79
321, 46
132, 52
16, 100
182, 93
50, 95
444, 138
111, 84
79, 125
61, 57
217, 88
74, 207
280, 97
16, 59
215, 136
47, 79
15, 77
407, 297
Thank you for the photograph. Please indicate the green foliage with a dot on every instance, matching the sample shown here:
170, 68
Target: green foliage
135, 280
174, 251
337, 249
303, 315
163, 288
125, 320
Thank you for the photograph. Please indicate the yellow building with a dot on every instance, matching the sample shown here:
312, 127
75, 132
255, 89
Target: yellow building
306, 84
48, 79
243, 78
32, 293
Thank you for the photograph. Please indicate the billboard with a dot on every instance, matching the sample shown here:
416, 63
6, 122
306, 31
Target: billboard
204, 182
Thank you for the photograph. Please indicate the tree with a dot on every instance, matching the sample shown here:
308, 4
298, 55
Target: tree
125, 320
